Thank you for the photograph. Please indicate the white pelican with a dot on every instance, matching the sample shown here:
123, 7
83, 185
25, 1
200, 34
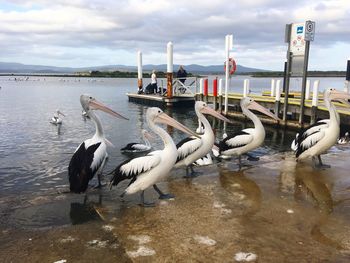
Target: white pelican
148, 170
192, 148
247, 139
91, 155
135, 147
319, 137
56, 117
84, 115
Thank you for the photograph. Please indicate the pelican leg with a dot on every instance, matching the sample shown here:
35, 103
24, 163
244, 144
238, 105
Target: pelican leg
239, 162
193, 172
99, 174
161, 194
143, 203
322, 165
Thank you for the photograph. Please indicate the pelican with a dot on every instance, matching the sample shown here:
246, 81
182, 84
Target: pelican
84, 115
135, 147
345, 139
247, 139
91, 155
319, 137
193, 148
56, 117
147, 170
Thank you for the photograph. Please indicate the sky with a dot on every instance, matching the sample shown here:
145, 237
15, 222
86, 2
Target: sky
82, 33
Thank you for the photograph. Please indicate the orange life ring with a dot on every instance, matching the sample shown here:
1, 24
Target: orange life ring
232, 66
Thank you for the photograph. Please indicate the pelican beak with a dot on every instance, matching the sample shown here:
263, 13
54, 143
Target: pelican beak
255, 106
166, 119
210, 111
340, 96
96, 105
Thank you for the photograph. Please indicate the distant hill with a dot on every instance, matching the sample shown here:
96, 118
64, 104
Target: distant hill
6, 67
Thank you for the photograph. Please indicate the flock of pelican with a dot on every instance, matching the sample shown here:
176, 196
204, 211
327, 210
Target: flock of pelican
145, 171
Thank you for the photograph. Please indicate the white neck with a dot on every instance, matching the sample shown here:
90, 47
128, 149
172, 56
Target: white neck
254, 118
146, 140
98, 125
167, 140
208, 131
333, 114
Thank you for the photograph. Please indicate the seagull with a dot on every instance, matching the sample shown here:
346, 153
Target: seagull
322, 135
147, 170
193, 148
90, 157
56, 117
247, 139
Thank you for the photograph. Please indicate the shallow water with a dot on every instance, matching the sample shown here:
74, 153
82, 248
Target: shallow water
274, 208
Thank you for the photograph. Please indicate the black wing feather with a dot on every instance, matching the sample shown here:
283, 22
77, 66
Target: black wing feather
302, 133
129, 146
223, 146
119, 175
79, 170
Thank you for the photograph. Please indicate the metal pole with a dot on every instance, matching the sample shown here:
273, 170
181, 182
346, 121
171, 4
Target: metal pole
228, 47
303, 87
284, 76
286, 85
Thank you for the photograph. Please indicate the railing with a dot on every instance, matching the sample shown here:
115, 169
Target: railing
182, 89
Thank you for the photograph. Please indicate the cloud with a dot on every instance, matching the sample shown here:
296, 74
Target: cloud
69, 33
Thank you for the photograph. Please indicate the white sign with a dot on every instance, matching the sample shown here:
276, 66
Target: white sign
297, 41
309, 30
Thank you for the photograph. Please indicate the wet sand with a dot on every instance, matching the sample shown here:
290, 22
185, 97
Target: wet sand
275, 209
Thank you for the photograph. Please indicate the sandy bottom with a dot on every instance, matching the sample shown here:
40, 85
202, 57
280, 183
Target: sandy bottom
273, 210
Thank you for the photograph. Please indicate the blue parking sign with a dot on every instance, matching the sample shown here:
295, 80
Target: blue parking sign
300, 29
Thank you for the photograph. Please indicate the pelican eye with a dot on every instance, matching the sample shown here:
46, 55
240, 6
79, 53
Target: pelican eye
90, 98
159, 111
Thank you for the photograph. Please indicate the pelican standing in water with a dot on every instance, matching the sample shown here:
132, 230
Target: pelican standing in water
247, 139
91, 155
56, 117
193, 148
319, 137
147, 170
135, 147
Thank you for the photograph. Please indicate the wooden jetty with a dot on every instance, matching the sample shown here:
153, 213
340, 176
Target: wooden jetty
162, 101
269, 102
185, 96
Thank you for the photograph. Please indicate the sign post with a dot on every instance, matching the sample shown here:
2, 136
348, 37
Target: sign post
298, 35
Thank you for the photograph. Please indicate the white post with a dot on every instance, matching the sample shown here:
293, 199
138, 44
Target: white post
245, 87
278, 90
315, 93
139, 70
220, 87
272, 88
307, 90
228, 47
169, 74
139, 65
201, 86
346, 86
169, 48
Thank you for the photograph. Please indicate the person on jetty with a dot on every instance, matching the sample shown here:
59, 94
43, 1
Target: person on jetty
154, 82
152, 87
181, 74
